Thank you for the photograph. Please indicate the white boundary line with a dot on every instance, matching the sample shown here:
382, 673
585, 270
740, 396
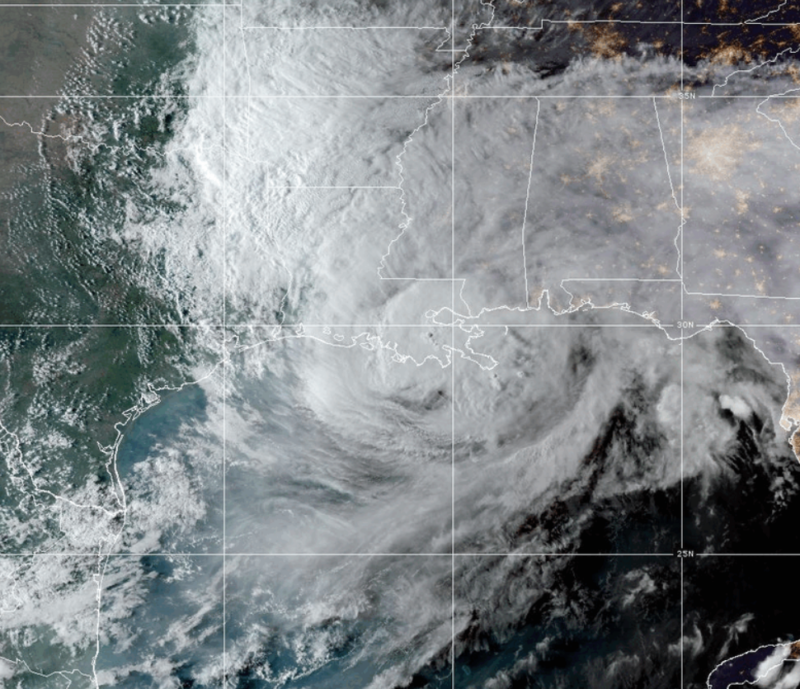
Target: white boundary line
495, 27
230, 554
716, 323
681, 274
775, 120
757, 677
356, 554
379, 96
453, 554
791, 50
376, 96
346, 28
674, 22
147, 401
764, 16
225, 346
138, 5
679, 236
527, 201
452, 36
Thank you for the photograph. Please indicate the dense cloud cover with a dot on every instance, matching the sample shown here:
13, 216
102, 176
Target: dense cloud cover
465, 355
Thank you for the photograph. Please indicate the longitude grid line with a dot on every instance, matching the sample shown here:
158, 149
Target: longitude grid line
452, 103
224, 348
487, 554
683, 289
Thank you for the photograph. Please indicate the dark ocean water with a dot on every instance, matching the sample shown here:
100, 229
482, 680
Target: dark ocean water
740, 670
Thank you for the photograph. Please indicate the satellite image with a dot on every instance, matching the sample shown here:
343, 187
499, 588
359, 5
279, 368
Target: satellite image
400, 344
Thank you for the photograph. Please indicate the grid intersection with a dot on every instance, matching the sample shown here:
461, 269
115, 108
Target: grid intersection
224, 325
682, 346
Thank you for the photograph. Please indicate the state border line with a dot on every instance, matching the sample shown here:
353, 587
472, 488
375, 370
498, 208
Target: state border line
636, 22
423, 27
453, 554
510, 27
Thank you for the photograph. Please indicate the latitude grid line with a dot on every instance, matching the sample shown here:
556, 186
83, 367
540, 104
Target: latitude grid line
377, 326
333, 96
484, 554
145, 5
432, 27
